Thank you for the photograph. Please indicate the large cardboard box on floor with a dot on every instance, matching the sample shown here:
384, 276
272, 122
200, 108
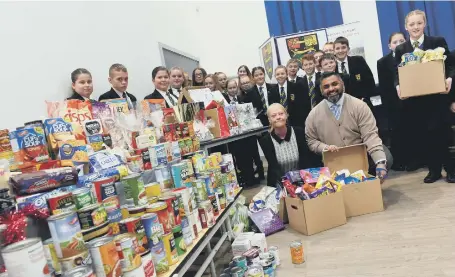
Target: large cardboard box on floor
361, 198
422, 79
316, 215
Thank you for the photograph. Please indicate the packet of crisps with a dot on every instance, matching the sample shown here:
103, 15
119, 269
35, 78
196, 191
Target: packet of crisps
433, 55
359, 174
73, 152
57, 130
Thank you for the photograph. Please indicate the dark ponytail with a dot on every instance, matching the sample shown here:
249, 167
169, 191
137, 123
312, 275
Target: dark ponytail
75, 74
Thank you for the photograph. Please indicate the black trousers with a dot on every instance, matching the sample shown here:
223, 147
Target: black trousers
428, 134
398, 138
243, 155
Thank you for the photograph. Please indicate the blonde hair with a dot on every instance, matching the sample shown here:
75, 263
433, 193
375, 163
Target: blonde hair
415, 12
273, 106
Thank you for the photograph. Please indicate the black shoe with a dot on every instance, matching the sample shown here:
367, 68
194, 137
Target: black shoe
398, 167
432, 177
450, 177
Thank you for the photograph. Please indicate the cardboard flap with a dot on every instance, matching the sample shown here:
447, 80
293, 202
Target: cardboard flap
363, 198
352, 157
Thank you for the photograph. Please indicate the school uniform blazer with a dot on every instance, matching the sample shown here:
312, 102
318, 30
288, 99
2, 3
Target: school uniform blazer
297, 79
111, 94
387, 89
361, 80
270, 88
317, 88
76, 96
431, 106
307, 159
299, 104
156, 95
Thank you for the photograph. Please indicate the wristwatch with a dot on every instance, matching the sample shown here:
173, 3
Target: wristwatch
382, 162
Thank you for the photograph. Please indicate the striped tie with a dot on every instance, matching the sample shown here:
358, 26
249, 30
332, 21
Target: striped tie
261, 93
343, 68
311, 93
335, 108
283, 98
416, 44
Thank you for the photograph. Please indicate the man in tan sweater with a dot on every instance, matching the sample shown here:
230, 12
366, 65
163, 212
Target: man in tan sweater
343, 120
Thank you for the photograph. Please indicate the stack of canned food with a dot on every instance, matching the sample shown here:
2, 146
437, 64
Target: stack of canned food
127, 228
254, 263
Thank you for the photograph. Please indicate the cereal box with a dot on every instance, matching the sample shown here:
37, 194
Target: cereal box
57, 130
73, 152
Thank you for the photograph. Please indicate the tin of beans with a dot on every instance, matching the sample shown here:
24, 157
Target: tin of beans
128, 251
134, 225
83, 258
61, 202
297, 254
92, 216
105, 259
187, 231
164, 216
83, 197
67, 235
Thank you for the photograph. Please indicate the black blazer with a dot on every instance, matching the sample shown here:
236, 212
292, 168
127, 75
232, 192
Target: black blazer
299, 104
271, 97
111, 94
252, 96
157, 95
361, 80
307, 159
75, 96
317, 89
297, 79
387, 89
429, 106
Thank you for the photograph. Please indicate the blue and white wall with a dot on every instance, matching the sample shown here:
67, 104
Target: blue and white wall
378, 20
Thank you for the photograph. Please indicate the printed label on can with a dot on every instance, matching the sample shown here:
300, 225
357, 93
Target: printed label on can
147, 264
28, 252
78, 260
105, 260
67, 236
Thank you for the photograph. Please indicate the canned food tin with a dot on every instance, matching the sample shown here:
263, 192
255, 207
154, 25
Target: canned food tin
114, 217
215, 205
92, 216
120, 189
187, 231
153, 190
128, 251
221, 198
200, 190
68, 264
136, 211
198, 160
255, 271
179, 173
83, 197
51, 256
158, 155
195, 223
240, 261
106, 193
105, 259
179, 242
151, 225
96, 232
208, 181
164, 217
61, 202
206, 214
163, 177
237, 272
267, 267
297, 254
229, 192
171, 251
66, 233
81, 271
134, 188
134, 225
275, 252
26, 258
183, 147
137, 272
268, 256
147, 264
173, 208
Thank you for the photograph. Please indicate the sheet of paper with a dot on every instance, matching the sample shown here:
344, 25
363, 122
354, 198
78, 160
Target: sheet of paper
376, 100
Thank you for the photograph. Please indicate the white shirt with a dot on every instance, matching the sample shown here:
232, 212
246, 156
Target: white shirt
420, 40
340, 102
176, 92
345, 65
164, 94
233, 98
264, 91
285, 85
293, 79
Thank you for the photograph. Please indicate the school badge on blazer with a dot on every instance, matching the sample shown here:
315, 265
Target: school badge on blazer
357, 77
292, 97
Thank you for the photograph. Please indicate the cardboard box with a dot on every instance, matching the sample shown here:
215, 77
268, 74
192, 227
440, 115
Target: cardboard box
422, 79
240, 246
282, 212
316, 215
361, 198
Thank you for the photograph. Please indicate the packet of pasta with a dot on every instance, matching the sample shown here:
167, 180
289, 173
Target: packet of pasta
73, 152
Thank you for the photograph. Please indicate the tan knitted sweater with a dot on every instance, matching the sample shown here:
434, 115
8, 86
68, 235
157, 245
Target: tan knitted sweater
356, 125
